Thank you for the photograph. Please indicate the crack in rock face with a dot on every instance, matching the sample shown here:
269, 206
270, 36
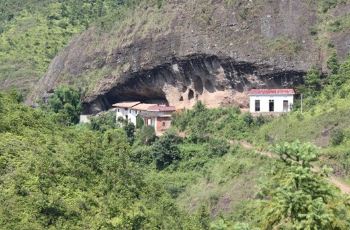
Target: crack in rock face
216, 81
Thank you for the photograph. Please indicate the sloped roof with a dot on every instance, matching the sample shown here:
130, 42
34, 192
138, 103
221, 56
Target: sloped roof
128, 104
162, 108
271, 92
143, 106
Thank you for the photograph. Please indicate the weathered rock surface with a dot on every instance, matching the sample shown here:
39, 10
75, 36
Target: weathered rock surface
193, 50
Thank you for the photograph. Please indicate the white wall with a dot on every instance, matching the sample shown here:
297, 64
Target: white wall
131, 113
84, 119
264, 102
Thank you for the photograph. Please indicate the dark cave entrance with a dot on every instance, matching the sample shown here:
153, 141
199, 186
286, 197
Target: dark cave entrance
143, 95
190, 94
198, 84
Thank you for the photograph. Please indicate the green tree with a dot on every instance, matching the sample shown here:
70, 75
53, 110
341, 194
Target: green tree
146, 135
104, 122
166, 151
139, 122
313, 80
333, 64
204, 217
65, 101
130, 131
301, 198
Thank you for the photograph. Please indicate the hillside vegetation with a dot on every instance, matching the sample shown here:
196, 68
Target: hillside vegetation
33, 32
58, 175
324, 120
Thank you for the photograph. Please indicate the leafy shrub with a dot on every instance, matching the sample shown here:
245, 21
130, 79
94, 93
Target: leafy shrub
65, 101
327, 4
146, 135
300, 197
139, 122
218, 147
337, 137
104, 122
248, 119
166, 151
142, 155
130, 131
333, 64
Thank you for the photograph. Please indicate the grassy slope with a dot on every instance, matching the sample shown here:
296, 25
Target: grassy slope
33, 32
228, 182
223, 185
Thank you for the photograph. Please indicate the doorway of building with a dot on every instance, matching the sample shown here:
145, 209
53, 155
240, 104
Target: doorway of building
271, 105
285, 106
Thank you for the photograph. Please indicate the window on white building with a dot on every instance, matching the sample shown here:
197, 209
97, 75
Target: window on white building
285, 106
271, 105
257, 105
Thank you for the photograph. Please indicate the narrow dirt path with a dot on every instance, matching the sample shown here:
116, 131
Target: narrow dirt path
345, 188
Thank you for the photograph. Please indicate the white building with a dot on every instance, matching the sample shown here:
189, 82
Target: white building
84, 119
157, 116
271, 100
126, 111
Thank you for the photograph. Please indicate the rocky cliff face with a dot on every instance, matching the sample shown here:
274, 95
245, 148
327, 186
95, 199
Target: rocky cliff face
189, 50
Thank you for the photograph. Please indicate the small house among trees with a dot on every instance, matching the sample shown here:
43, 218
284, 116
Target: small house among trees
271, 100
157, 116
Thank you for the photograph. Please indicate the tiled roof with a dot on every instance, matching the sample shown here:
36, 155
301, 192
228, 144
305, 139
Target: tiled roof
162, 108
128, 104
271, 92
143, 106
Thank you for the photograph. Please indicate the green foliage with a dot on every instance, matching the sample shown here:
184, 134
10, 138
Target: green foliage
301, 198
139, 122
130, 131
165, 151
23, 54
66, 102
325, 5
146, 135
204, 218
142, 155
333, 64
202, 123
284, 45
103, 122
337, 137
313, 80
59, 177
218, 147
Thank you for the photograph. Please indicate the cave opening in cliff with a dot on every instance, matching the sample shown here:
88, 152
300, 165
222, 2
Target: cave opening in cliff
198, 84
208, 85
190, 94
143, 95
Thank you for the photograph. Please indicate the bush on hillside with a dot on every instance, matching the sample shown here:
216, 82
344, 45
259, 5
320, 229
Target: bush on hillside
299, 197
130, 131
333, 64
146, 135
65, 101
104, 122
166, 151
337, 137
142, 155
218, 147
